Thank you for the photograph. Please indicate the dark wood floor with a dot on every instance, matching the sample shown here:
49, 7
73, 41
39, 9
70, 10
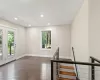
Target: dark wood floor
27, 68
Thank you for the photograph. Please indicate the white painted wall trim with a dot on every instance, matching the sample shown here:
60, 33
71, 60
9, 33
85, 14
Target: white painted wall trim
7, 61
7, 26
37, 55
66, 57
20, 57
46, 56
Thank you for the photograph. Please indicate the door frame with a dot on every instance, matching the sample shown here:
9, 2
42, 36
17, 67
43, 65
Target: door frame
5, 52
1, 28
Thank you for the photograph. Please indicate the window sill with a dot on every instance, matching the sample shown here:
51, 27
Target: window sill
45, 49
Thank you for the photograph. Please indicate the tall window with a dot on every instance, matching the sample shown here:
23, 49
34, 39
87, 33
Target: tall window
46, 39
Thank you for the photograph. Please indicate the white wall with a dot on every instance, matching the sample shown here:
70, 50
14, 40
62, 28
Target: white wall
94, 32
79, 33
79, 39
94, 28
60, 36
31, 43
20, 48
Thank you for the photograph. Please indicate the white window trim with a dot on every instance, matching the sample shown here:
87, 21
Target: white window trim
41, 40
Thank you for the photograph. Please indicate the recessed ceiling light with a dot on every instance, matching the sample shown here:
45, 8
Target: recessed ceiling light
29, 25
16, 18
48, 23
41, 15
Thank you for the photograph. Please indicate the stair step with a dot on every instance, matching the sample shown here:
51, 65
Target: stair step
67, 76
67, 67
65, 79
67, 73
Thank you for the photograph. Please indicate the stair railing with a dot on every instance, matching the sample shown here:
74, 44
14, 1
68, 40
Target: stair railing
71, 62
58, 61
93, 60
77, 77
56, 57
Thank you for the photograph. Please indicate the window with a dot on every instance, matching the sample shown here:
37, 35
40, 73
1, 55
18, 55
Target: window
46, 39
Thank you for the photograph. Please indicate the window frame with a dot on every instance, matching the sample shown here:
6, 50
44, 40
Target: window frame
41, 40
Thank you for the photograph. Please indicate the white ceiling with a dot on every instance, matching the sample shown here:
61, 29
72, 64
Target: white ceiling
56, 12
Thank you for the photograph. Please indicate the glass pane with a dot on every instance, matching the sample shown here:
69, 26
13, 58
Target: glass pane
46, 39
11, 48
1, 44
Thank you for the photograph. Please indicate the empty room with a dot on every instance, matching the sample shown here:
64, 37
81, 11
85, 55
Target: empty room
49, 40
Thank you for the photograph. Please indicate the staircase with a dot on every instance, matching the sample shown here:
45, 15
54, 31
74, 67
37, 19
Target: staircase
66, 72
66, 69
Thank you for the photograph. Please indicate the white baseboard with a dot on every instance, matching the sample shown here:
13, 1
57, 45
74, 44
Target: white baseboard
66, 57
38, 55
7, 61
50, 56
2, 63
20, 56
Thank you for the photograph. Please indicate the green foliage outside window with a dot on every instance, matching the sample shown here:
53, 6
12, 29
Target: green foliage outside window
46, 39
10, 42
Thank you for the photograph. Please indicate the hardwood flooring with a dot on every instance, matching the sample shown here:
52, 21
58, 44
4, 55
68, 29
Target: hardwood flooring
27, 68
